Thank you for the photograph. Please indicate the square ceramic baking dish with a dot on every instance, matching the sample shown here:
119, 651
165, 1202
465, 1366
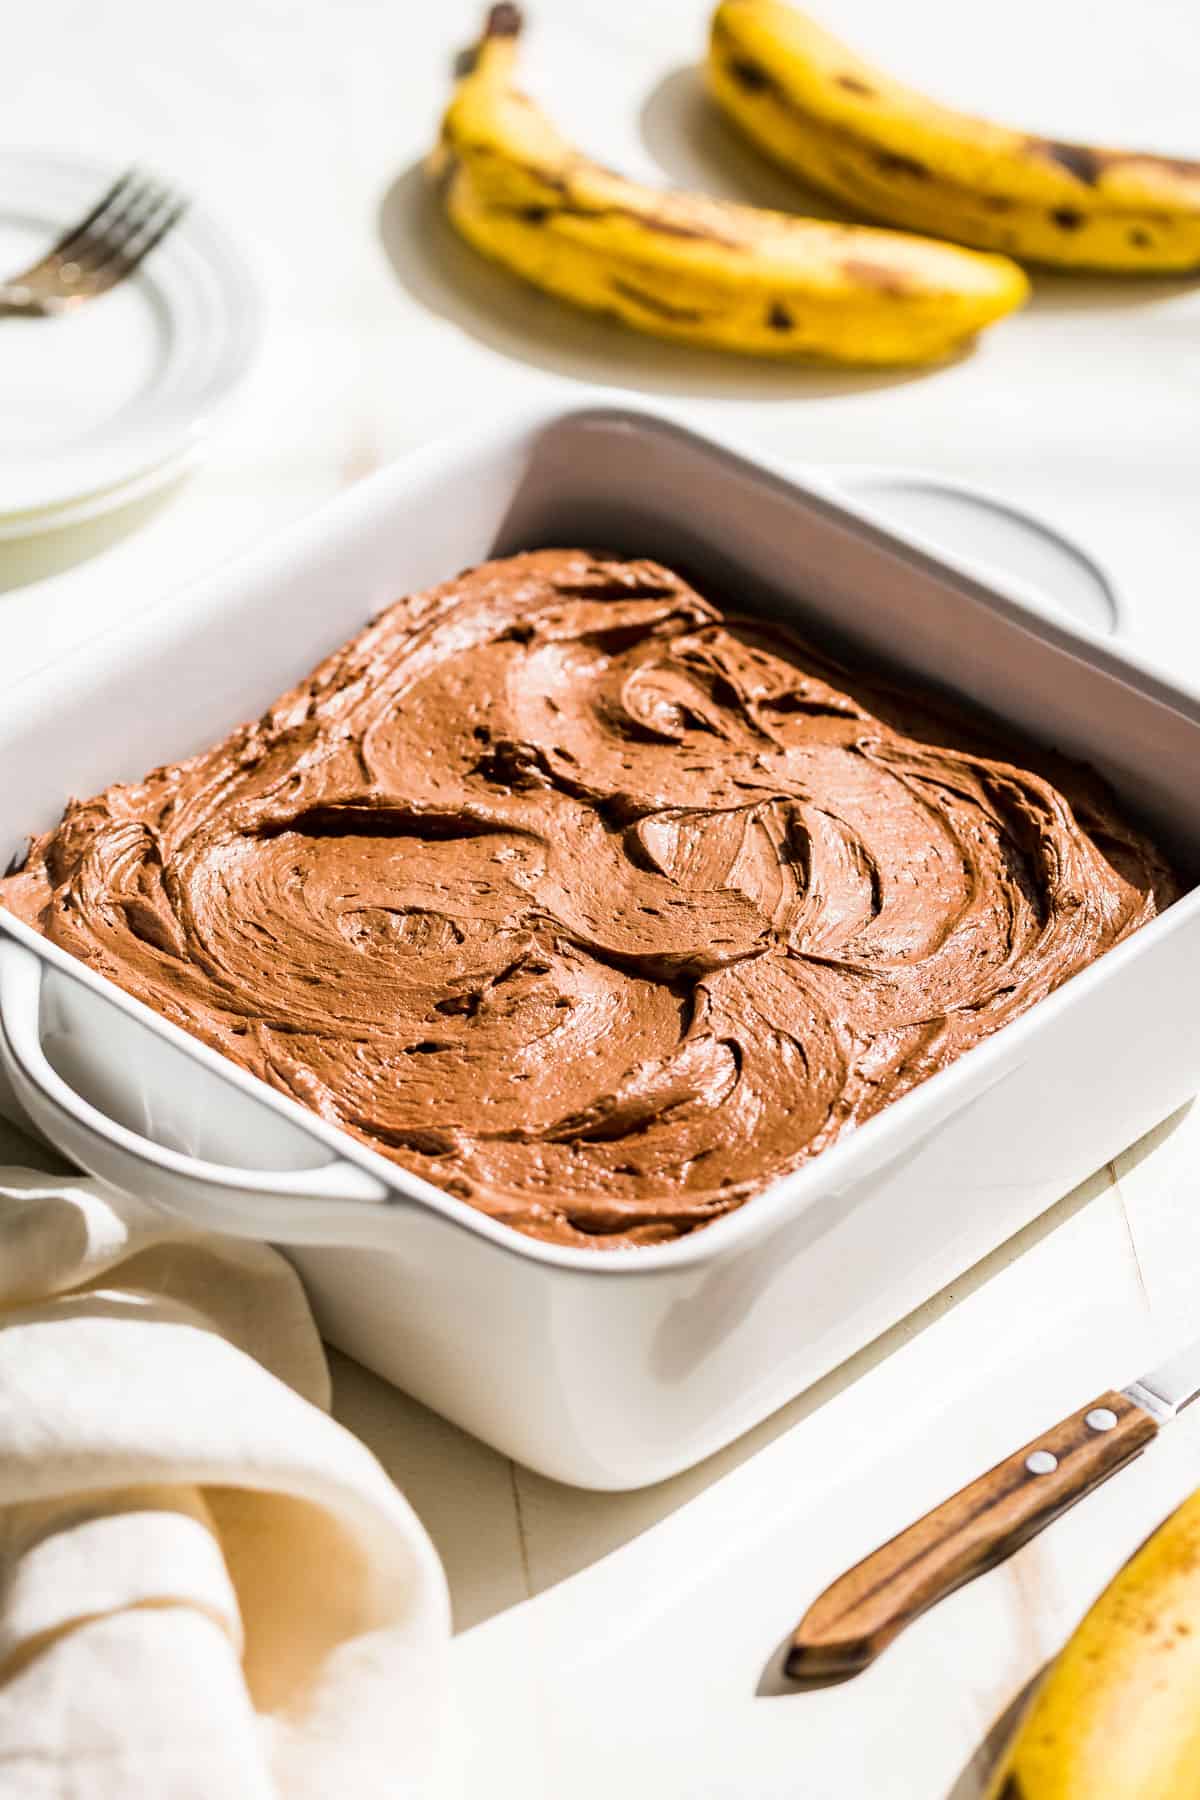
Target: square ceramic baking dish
606, 1368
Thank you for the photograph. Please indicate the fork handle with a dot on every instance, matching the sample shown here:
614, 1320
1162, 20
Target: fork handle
19, 303
858, 1616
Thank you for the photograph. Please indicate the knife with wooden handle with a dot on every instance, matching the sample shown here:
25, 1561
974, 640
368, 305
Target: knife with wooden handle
848, 1625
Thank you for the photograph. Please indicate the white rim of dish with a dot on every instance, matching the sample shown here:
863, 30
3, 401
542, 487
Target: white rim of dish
20, 527
201, 279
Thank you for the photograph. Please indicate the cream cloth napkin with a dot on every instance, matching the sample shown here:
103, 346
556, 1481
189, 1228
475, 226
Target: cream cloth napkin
209, 1590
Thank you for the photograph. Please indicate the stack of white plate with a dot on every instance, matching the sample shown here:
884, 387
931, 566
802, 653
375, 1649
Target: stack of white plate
110, 402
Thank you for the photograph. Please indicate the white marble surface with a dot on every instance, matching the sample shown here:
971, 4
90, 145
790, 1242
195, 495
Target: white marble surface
636, 1663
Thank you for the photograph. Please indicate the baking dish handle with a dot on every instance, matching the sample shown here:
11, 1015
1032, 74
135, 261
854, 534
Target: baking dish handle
335, 1203
1045, 563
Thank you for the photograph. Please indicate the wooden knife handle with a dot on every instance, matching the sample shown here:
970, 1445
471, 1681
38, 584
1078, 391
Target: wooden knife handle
858, 1616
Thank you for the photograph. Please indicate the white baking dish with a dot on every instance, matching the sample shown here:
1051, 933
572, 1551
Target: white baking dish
604, 1368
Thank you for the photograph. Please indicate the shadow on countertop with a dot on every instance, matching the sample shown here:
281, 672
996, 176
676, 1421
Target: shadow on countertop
699, 149
973, 1781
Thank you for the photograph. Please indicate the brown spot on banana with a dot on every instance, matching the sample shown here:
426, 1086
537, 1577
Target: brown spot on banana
892, 163
537, 215
779, 318
853, 85
651, 303
671, 228
750, 75
1067, 218
1141, 240
1088, 165
1084, 164
877, 276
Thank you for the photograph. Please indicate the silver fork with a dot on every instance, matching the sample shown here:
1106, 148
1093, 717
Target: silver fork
104, 247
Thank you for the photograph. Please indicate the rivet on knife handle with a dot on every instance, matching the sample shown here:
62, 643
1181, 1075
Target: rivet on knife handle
858, 1616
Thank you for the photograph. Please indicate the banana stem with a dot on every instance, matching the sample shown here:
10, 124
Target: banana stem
503, 21
494, 54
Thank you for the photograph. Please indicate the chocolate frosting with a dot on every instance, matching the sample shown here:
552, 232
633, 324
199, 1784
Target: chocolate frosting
594, 905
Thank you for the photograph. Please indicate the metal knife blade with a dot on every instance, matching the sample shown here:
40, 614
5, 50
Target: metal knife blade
1165, 1391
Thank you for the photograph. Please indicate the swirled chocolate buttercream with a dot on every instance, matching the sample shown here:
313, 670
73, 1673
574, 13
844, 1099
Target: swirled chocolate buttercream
591, 902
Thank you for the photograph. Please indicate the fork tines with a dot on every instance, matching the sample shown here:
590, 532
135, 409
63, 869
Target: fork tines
103, 247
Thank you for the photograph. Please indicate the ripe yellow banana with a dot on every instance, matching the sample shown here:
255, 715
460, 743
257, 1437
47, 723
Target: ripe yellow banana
1118, 1716
818, 110
681, 266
